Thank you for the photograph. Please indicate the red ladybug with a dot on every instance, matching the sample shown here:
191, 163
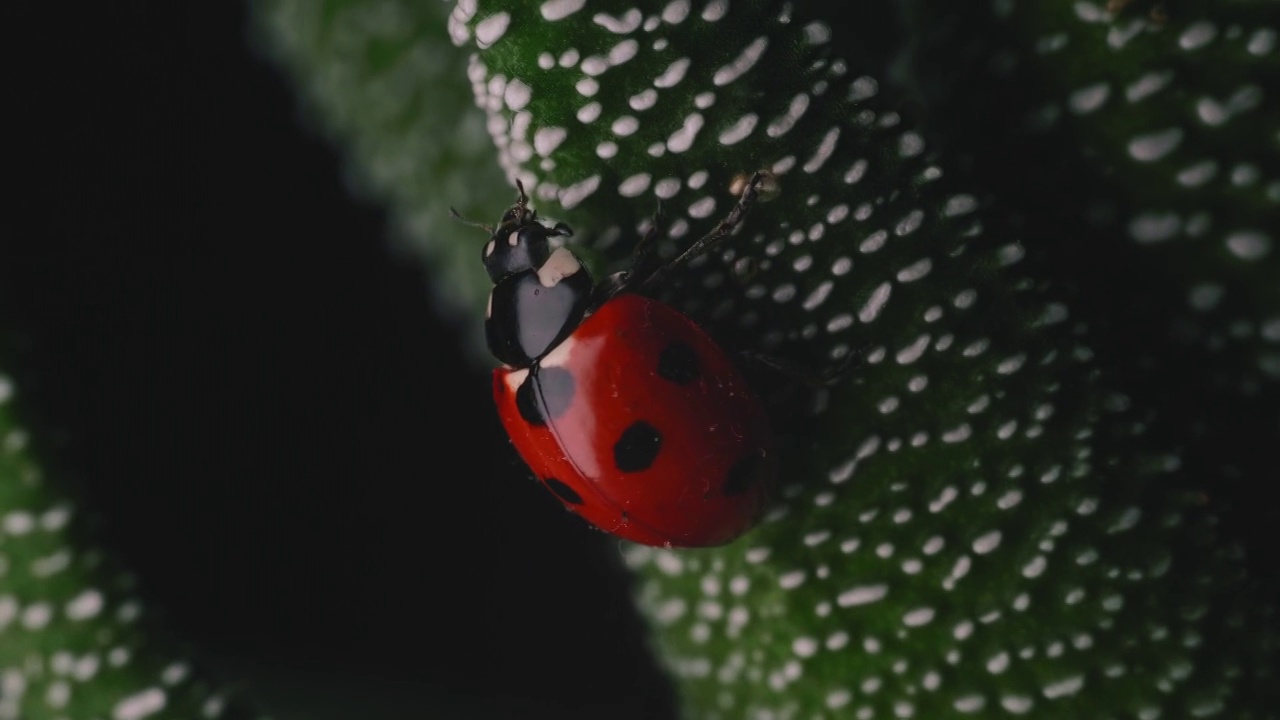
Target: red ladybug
623, 407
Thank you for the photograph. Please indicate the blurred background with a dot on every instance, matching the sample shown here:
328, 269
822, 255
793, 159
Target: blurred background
249, 389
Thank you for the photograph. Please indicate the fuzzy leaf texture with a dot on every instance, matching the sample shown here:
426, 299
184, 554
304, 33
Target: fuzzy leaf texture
74, 638
1161, 123
978, 529
990, 515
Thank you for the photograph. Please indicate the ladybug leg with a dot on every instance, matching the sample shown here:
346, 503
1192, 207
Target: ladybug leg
643, 255
641, 259
716, 236
641, 276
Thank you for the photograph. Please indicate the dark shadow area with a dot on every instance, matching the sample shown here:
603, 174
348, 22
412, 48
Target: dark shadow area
218, 348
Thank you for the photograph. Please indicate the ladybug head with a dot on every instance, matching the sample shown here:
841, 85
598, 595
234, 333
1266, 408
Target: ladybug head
520, 242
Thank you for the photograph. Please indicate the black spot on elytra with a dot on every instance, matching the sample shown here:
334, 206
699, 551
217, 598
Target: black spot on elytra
562, 491
637, 448
678, 363
744, 474
545, 394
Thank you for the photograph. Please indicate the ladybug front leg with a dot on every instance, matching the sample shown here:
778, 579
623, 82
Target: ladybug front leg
717, 235
641, 276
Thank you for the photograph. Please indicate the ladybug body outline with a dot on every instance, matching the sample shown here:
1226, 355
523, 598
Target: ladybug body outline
623, 407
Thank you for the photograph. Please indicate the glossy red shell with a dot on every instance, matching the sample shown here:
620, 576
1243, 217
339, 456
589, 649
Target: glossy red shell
715, 462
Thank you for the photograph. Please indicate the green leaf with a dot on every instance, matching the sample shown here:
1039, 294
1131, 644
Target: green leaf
74, 639
1000, 509
976, 520
1163, 135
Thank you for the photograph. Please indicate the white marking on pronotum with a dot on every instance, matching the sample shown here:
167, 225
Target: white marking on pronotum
560, 265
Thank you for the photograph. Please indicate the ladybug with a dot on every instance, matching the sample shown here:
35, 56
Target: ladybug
623, 407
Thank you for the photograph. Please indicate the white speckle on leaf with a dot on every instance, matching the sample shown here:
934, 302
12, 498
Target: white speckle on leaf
915, 271
959, 205
1197, 36
673, 74
622, 52
140, 705
739, 130
874, 304
1262, 42
554, 10
682, 139
987, 542
715, 10
1155, 146
910, 144
818, 295
912, 352
643, 100
791, 580
627, 23
909, 224
625, 125
569, 58
1249, 244
740, 65
1089, 98
576, 193
873, 242
586, 114
547, 139
918, 617
862, 595
675, 12
85, 605
491, 29
1016, 704
863, 88
825, 148
594, 65
795, 110
516, 95
1153, 227
1148, 85
18, 522
667, 188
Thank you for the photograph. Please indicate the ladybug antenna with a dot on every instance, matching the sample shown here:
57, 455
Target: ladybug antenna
458, 216
522, 204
